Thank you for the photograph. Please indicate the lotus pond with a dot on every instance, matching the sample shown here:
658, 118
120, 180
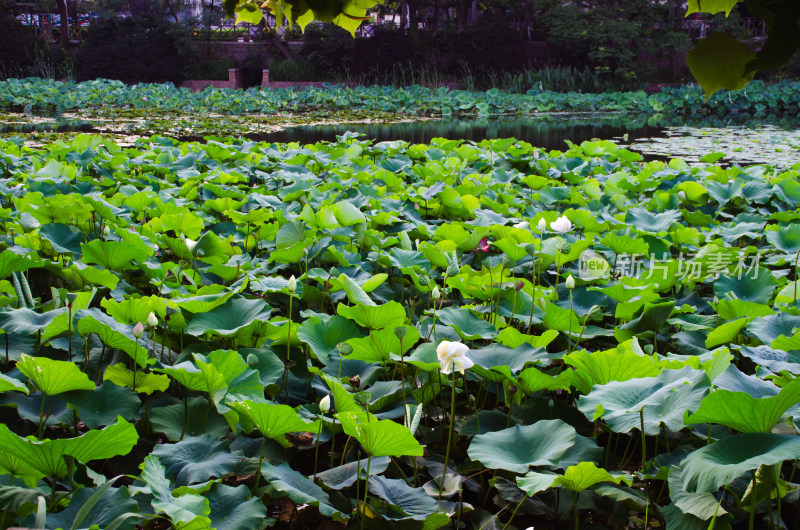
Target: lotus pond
234, 334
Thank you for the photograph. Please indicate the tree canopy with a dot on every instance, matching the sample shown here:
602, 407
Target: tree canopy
719, 61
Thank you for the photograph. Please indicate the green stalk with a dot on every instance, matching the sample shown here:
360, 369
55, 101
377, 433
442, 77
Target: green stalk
751, 522
575, 511
505, 526
449, 435
288, 348
644, 458
569, 334
366, 491
258, 471
135, 363
316, 451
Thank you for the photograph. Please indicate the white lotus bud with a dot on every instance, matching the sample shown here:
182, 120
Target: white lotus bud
435, 293
190, 243
325, 404
292, 284
106, 231
541, 226
152, 320
570, 282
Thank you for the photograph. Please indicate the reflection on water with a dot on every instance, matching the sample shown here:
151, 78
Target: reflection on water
549, 131
61, 125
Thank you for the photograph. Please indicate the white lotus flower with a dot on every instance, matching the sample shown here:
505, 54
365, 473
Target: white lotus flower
453, 354
541, 226
190, 244
292, 285
523, 225
152, 320
562, 225
436, 293
569, 283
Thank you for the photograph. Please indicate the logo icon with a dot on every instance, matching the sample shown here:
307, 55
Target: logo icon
593, 266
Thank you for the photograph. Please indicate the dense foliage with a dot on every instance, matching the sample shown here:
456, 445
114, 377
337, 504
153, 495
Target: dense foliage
270, 334
38, 95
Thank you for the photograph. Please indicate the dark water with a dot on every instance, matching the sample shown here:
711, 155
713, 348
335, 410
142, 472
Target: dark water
60, 125
550, 132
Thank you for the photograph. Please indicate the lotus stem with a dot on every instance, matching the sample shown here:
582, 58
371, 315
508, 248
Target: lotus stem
449, 435
797, 257
569, 333
260, 461
316, 451
751, 521
575, 511
514, 513
366, 491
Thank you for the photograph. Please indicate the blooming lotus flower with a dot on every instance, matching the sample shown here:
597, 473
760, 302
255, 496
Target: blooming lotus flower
483, 245
562, 225
453, 354
152, 320
138, 330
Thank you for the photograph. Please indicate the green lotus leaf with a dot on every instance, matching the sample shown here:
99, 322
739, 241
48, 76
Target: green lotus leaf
701, 505
344, 476
101, 406
354, 292
390, 314
646, 221
273, 421
323, 335
111, 504
412, 503
719, 463
113, 255
648, 320
662, 399
235, 508
381, 437
726, 333
26, 321
300, 489
494, 362
8, 384
146, 382
63, 238
379, 346
625, 362
188, 511
754, 286
171, 420
745, 413
466, 324
517, 448
111, 333
575, 478
196, 459
184, 223
54, 377
47, 456
232, 316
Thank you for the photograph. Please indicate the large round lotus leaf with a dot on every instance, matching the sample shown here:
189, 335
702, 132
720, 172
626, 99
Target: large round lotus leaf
54, 377
715, 465
230, 317
323, 335
745, 413
101, 406
576, 478
235, 508
196, 459
413, 503
518, 448
663, 399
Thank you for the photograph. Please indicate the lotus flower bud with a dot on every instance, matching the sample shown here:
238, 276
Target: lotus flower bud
138, 330
436, 293
292, 285
570, 282
541, 226
190, 244
152, 320
106, 231
325, 404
